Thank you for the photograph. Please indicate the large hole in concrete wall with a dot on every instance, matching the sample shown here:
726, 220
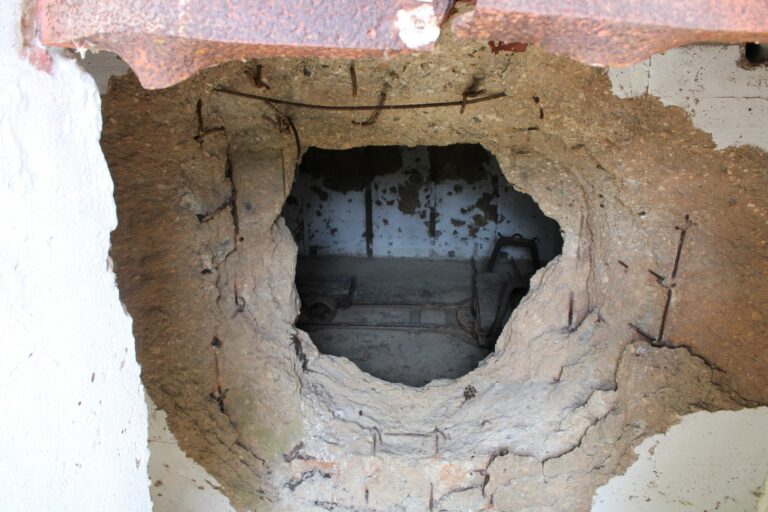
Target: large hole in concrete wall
411, 260
600, 353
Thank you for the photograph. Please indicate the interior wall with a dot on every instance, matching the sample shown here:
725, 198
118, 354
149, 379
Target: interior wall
74, 428
425, 202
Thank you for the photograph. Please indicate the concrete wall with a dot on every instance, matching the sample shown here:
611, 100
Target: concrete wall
426, 202
710, 461
723, 99
74, 428
177, 483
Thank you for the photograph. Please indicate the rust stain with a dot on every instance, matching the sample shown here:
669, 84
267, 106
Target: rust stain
166, 41
488, 207
325, 465
452, 476
501, 46
351, 169
459, 162
408, 194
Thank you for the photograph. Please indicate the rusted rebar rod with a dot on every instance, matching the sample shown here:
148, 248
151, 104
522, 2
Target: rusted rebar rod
389, 106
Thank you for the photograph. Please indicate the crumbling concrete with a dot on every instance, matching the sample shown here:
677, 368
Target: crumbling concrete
662, 234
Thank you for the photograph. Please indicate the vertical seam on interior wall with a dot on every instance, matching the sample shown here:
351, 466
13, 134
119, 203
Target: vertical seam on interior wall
649, 77
495, 183
432, 182
298, 185
369, 220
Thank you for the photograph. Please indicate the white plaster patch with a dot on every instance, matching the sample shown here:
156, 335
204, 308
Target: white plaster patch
709, 461
762, 505
723, 98
417, 27
178, 482
103, 66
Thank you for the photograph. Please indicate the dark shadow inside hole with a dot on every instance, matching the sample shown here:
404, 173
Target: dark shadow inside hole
756, 53
411, 260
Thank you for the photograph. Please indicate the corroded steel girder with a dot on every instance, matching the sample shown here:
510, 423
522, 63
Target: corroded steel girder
165, 41
615, 32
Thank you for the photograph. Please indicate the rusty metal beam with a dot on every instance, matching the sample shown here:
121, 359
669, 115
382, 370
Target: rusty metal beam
614, 32
165, 41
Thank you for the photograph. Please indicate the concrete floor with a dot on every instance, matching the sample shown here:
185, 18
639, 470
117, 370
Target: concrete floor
394, 280
407, 356
402, 323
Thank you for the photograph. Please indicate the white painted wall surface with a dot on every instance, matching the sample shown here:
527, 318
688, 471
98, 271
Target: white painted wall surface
179, 484
73, 435
723, 98
102, 66
406, 235
333, 222
709, 461
762, 504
